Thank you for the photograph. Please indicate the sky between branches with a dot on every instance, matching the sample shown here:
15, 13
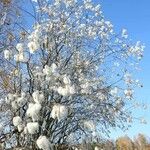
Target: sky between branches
134, 15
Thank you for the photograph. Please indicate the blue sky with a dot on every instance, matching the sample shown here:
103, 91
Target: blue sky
134, 15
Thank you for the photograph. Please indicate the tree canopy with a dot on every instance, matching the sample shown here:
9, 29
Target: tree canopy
70, 77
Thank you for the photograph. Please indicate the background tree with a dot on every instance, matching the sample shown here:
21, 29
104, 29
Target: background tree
124, 143
71, 77
109, 145
9, 35
141, 142
9, 17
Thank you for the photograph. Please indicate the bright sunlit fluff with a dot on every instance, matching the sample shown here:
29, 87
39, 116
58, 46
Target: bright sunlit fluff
33, 127
59, 112
43, 143
17, 121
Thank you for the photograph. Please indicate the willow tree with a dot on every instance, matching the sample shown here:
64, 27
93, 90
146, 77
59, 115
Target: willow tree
72, 77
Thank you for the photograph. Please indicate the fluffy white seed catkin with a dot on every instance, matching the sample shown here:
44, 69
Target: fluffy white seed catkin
59, 112
7, 54
63, 91
114, 91
43, 143
128, 93
20, 127
89, 125
47, 70
33, 46
71, 89
38, 96
54, 111
33, 127
96, 148
16, 58
17, 121
14, 105
20, 101
66, 80
25, 130
20, 57
35, 96
19, 47
11, 97
67, 90
63, 112
124, 34
54, 68
33, 111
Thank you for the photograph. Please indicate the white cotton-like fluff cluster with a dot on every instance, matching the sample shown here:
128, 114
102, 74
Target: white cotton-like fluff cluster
137, 50
53, 69
59, 112
14, 105
66, 80
96, 148
128, 78
7, 54
124, 33
57, 2
114, 91
9, 98
21, 100
89, 124
43, 143
85, 87
33, 46
101, 96
69, 2
32, 127
47, 70
20, 47
38, 96
20, 57
97, 8
17, 121
88, 4
15, 100
34, 110
20, 127
25, 131
128, 93
71, 138
67, 90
